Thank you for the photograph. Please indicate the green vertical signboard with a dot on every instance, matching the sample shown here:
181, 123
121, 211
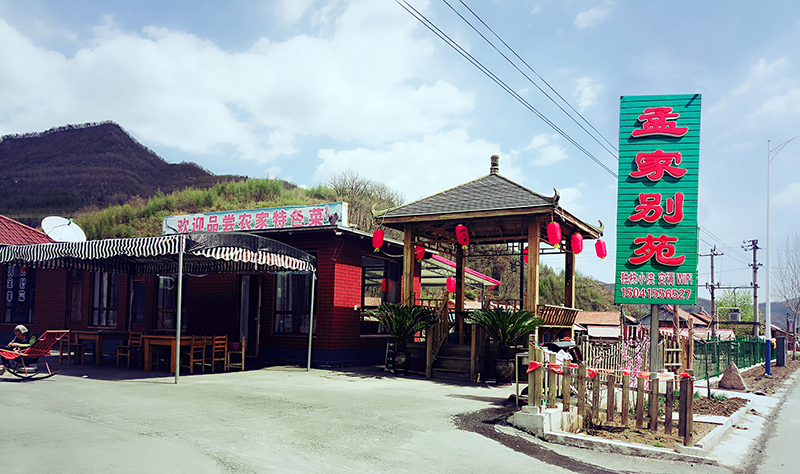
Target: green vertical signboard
659, 155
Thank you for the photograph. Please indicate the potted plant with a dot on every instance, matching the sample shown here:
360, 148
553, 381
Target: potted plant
505, 326
402, 322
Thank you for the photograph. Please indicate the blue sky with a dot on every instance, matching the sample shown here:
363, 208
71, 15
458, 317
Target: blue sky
305, 89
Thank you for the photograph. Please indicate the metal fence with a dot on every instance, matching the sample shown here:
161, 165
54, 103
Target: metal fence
711, 358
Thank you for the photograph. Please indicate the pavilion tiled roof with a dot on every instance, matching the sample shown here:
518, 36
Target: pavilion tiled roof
17, 233
489, 193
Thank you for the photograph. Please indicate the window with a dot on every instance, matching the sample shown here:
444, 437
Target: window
105, 292
19, 294
75, 283
292, 302
137, 301
168, 302
380, 282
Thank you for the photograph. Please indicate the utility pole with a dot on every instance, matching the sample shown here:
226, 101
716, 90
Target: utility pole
753, 245
714, 319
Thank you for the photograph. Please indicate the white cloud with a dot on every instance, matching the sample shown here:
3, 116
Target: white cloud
547, 151
419, 168
788, 197
290, 11
570, 199
536, 9
361, 82
586, 91
595, 15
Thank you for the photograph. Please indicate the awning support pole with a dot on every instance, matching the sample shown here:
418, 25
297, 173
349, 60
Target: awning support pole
311, 320
181, 249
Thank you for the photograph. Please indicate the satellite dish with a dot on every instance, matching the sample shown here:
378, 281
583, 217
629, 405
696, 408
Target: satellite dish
62, 230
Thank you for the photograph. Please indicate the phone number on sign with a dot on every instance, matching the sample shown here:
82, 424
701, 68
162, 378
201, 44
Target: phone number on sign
656, 293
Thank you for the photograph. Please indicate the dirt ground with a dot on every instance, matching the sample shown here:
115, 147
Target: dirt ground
757, 383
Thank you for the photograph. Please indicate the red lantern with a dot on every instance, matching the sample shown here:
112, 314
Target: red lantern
554, 234
525, 254
600, 248
577, 243
451, 285
386, 285
462, 236
419, 252
377, 239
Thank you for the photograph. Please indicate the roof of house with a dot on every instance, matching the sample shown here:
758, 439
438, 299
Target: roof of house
17, 233
598, 318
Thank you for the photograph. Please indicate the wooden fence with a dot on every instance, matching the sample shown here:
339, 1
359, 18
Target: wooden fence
632, 354
587, 388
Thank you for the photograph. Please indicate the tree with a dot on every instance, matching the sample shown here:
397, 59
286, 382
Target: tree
730, 300
787, 281
363, 195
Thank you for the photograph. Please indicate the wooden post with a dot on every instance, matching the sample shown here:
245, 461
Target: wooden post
688, 437
535, 392
473, 360
429, 336
653, 404
596, 387
610, 401
582, 391
668, 408
532, 295
626, 400
551, 384
531, 376
459, 309
682, 408
565, 390
408, 266
569, 276
639, 402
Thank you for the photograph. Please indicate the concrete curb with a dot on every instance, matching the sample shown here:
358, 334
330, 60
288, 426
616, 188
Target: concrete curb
630, 449
712, 438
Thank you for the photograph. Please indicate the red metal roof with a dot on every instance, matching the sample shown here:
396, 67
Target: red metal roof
17, 233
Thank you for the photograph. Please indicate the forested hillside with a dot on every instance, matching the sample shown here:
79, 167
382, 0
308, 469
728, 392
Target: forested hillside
66, 169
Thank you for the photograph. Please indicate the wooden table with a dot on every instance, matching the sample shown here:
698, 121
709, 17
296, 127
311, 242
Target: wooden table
150, 340
97, 337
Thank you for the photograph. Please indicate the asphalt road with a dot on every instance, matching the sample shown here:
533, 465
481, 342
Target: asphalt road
107, 420
777, 452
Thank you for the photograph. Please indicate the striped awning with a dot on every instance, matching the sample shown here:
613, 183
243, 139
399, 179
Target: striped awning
204, 253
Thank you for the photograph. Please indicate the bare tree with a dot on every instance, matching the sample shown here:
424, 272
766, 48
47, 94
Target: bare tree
788, 273
362, 195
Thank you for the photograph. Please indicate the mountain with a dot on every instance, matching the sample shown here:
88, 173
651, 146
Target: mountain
95, 165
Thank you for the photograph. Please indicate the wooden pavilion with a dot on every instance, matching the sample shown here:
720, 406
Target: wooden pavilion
495, 210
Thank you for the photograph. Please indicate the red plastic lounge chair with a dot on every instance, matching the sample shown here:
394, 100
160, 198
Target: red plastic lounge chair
40, 348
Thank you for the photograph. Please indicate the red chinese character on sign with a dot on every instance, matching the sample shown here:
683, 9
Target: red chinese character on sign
297, 218
674, 212
244, 221
659, 121
262, 219
228, 222
649, 208
279, 219
315, 216
653, 165
663, 248
198, 224
212, 224
183, 226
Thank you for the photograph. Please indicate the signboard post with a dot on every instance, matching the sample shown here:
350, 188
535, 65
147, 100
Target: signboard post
659, 151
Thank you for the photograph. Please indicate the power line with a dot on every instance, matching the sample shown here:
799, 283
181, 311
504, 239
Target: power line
610, 152
450, 42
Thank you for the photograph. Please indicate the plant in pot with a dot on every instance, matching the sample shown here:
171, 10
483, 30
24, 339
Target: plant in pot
402, 322
505, 326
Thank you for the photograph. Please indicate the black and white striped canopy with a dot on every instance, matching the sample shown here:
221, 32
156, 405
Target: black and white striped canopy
203, 253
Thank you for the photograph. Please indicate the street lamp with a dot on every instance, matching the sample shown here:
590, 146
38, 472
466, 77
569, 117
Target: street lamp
767, 313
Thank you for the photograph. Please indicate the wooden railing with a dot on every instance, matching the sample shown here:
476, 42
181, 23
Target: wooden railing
436, 334
594, 393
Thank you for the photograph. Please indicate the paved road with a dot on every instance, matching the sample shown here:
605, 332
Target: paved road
778, 452
108, 420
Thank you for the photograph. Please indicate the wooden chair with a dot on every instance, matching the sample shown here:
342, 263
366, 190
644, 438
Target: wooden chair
217, 353
195, 355
134, 346
235, 348
64, 349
